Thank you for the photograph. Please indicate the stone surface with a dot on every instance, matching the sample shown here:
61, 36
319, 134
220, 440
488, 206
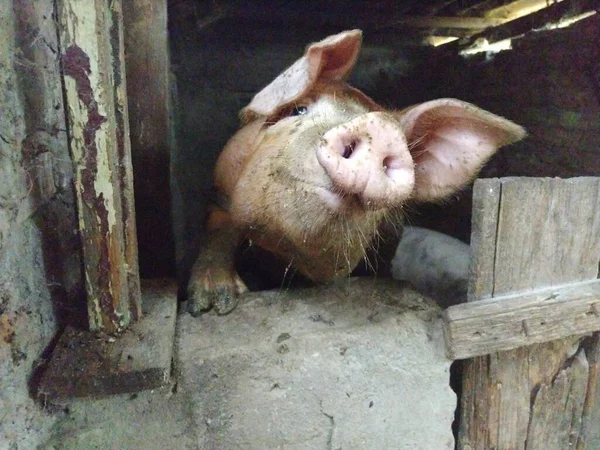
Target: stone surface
148, 420
354, 366
360, 365
26, 326
86, 363
40, 265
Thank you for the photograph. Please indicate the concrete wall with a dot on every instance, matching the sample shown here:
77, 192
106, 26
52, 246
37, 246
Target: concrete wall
40, 276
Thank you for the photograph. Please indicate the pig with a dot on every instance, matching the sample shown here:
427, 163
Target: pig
317, 166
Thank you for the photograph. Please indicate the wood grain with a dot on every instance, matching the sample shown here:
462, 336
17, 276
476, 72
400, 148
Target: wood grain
486, 202
552, 14
566, 390
149, 97
508, 322
90, 55
547, 233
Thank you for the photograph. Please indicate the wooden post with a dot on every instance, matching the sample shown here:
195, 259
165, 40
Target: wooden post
92, 63
148, 75
532, 233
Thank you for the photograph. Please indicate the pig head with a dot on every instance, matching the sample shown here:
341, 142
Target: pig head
317, 166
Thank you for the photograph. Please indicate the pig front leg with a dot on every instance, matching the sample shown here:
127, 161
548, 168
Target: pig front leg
214, 281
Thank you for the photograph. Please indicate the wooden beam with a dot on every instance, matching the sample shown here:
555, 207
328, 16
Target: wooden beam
519, 8
91, 54
511, 321
535, 21
366, 17
148, 92
588, 438
125, 167
466, 23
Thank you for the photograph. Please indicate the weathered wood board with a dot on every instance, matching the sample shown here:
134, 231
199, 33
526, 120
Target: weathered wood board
512, 321
554, 13
149, 93
532, 233
91, 40
529, 234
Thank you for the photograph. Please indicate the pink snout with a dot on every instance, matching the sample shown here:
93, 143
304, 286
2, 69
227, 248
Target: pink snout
368, 156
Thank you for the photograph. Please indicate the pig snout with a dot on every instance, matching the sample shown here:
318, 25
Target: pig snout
368, 156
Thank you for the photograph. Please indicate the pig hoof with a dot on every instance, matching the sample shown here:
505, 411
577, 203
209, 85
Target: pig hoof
198, 304
225, 300
204, 293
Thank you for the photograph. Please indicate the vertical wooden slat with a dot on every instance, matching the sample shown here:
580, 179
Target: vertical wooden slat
590, 434
97, 135
547, 233
148, 91
117, 40
486, 200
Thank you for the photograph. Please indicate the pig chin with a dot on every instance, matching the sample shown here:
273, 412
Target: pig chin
315, 230
348, 204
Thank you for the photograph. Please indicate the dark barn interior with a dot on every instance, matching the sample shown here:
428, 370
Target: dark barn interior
535, 62
222, 54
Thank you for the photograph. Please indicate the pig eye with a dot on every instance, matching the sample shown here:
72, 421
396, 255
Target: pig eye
299, 111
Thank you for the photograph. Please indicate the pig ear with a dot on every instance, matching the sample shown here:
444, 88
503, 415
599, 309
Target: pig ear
450, 140
330, 59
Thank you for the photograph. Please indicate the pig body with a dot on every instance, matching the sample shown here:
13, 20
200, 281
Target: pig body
317, 166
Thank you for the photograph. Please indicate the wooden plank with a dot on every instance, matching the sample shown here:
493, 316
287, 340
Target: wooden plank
486, 201
535, 21
590, 434
547, 234
558, 405
148, 91
495, 399
464, 23
90, 63
517, 9
91, 364
508, 322
125, 167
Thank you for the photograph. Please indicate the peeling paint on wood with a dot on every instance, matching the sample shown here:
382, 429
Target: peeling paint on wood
125, 166
92, 64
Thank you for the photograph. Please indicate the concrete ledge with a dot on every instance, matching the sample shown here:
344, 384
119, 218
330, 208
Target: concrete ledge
357, 365
91, 364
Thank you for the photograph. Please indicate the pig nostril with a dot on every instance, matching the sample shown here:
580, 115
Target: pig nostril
387, 162
349, 149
